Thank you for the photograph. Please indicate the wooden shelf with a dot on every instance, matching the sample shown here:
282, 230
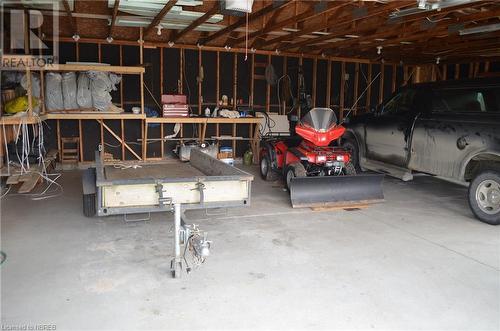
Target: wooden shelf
93, 116
205, 120
86, 67
15, 120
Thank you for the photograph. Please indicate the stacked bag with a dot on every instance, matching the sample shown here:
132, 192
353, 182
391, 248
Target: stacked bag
90, 89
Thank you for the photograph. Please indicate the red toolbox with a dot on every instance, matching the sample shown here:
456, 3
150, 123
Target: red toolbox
174, 99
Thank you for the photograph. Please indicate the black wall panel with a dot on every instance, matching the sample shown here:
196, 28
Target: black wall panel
321, 83
208, 87
171, 70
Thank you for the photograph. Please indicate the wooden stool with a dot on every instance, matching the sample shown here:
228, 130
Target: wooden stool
70, 150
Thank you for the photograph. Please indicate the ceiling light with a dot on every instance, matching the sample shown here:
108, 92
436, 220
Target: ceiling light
290, 30
480, 29
76, 37
352, 36
425, 6
438, 59
159, 27
171, 44
379, 50
321, 33
109, 39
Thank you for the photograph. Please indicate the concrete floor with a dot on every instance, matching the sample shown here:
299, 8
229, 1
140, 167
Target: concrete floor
418, 261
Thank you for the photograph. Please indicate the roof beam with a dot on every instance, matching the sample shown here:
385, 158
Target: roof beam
160, 16
414, 33
345, 23
307, 14
113, 18
388, 28
266, 10
214, 10
72, 19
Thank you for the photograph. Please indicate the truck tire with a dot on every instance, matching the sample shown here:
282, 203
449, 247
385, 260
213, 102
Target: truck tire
266, 170
353, 149
89, 208
294, 170
484, 196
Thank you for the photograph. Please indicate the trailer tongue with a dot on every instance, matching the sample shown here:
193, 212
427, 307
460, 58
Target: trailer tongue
336, 191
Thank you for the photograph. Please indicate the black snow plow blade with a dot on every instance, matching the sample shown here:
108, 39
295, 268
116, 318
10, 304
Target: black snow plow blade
336, 191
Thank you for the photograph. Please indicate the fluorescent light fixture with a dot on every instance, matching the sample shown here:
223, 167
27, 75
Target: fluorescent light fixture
380, 39
144, 22
290, 30
351, 36
480, 29
406, 42
321, 33
427, 6
239, 5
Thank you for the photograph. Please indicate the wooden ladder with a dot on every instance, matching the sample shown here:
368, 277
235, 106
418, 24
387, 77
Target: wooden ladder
70, 152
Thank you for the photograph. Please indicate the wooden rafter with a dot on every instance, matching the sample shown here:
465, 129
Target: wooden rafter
306, 15
411, 34
202, 19
160, 15
345, 23
402, 33
72, 18
113, 18
240, 22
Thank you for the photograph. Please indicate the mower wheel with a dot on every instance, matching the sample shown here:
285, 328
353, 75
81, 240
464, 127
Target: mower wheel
294, 170
352, 147
349, 169
266, 170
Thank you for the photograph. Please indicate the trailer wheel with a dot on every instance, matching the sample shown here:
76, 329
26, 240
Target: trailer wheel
294, 170
89, 209
484, 197
349, 169
266, 170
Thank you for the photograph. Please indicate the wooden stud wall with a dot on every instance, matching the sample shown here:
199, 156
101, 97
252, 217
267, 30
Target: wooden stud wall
474, 70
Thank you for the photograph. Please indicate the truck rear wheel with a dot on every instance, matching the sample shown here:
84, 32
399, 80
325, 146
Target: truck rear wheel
484, 197
266, 170
294, 170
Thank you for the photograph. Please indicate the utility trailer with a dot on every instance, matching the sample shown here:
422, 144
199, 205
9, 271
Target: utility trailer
203, 183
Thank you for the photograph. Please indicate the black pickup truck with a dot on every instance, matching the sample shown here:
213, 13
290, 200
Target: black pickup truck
448, 129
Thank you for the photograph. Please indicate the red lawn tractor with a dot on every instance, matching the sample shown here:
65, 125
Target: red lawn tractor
316, 173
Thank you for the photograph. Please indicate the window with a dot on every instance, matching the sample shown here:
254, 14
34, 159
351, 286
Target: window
401, 102
468, 100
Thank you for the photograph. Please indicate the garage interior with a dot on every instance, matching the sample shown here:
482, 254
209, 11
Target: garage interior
138, 86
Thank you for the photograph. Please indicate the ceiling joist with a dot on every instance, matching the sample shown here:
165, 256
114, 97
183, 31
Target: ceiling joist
160, 16
214, 10
240, 22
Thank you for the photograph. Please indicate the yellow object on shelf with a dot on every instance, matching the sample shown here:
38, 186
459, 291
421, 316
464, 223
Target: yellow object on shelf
19, 104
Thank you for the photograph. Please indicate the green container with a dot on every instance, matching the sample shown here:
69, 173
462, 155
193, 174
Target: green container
248, 158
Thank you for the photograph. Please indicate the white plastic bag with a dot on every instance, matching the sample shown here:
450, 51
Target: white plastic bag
69, 90
35, 88
84, 93
101, 84
53, 91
